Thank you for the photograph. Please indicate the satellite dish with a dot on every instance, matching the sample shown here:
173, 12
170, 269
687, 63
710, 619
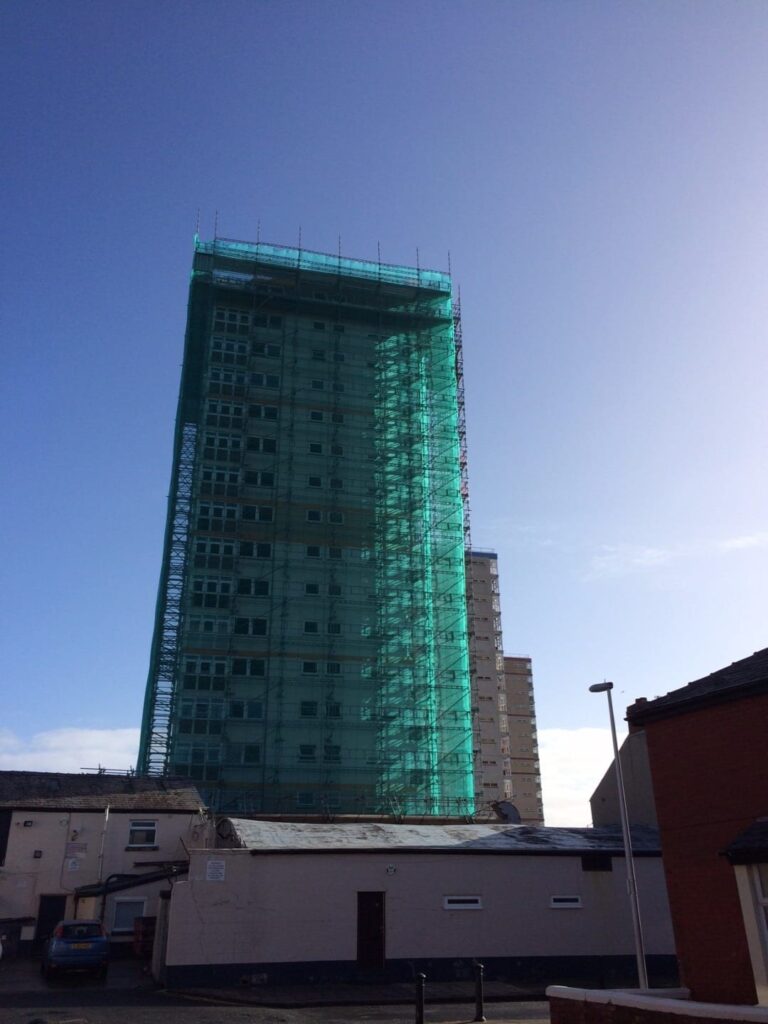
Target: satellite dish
505, 811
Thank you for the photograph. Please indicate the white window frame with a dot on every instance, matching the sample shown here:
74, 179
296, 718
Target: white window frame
143, 825
119, 901
462, 902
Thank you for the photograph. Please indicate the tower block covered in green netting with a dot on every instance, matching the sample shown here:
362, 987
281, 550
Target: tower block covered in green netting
310, 649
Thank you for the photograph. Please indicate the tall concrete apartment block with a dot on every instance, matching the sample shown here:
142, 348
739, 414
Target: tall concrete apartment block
505, 749
523, 740
310, 648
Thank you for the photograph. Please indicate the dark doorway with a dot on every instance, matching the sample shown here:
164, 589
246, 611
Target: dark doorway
370, 929
50, 911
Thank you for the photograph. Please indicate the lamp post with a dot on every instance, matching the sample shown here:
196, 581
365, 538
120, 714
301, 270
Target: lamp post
629, 860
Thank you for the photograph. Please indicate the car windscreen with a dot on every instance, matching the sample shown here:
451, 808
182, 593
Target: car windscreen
89, 930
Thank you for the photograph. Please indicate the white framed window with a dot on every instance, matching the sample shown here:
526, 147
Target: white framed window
462, 903
142, 833
126, 912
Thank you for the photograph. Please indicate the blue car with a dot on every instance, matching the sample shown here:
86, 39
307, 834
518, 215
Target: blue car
76, 946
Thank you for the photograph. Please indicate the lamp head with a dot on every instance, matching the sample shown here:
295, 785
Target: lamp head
600, 687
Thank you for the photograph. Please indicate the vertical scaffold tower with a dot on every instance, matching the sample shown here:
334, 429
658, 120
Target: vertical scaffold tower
310, 647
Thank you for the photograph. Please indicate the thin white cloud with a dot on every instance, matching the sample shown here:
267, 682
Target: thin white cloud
573, 761
69, 750
623, 559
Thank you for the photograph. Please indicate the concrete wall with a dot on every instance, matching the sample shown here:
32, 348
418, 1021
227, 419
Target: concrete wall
302, 907
67, 844
638, 787
710, 779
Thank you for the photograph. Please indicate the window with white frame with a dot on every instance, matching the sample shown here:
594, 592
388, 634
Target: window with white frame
126, 912
142, 832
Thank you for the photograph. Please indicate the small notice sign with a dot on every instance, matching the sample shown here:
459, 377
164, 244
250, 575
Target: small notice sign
215, 870
73, 864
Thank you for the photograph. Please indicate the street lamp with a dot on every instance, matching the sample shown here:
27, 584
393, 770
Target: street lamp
629, 860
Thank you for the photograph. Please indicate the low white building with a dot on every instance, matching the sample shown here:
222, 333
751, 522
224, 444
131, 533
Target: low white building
286, 901
90, 845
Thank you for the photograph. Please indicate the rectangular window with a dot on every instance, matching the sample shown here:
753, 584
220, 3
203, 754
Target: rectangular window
333, 709
332, 753
253, 588
316, 415
565, 902
258, 513
318, 354
251, 627
318, 325
336, 449
314, 515
308, 709
307, 752
333, 668
248, 666
142, 833
261, 444
318, 385
337, 417
265, 380
311, 627
315, 448
315, 481
251, 753
311, 588
309, 668
334, 590
250, 550
262, 412
334, 552
126, 912
313, 551
462, 903
337, 518
334, 628
259, 478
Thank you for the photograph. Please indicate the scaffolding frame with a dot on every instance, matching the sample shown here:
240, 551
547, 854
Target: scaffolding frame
394, 730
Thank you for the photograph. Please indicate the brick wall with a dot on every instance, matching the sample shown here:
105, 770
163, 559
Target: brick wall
710, 779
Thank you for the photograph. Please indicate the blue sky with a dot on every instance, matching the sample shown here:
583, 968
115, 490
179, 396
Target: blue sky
597, 173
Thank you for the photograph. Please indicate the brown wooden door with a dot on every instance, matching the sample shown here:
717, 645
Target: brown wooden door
370, 929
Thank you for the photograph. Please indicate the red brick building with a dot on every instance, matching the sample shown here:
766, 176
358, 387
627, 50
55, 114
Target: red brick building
708, 752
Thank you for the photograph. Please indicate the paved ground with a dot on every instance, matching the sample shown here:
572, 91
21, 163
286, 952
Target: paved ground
130, 997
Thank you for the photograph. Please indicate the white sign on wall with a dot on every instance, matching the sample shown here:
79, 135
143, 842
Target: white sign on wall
215, 870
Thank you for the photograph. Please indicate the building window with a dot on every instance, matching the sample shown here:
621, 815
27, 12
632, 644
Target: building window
261, 348
315, 448
313, 551
336, 449
262, 412
308, 709
246, 709
334, 590
251, 627
337, 417
333, 709
316, 415
248, 667
336, 518
314, 515
311, 588
318, 354
315, 481
565, 902
258, 513
251, 753
462, 903
318, 385
309, 668
259, 478
311, 627
265, 380
253, 588
333, 668
142, 833
261, 444
334, 628
250, 550
334, 552
307, 752
126, 912
332, 753
318, 325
